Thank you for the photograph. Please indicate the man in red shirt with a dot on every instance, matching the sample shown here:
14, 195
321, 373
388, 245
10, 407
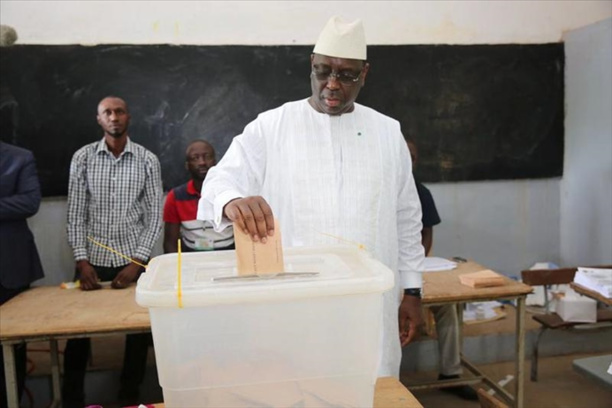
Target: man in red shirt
181, 207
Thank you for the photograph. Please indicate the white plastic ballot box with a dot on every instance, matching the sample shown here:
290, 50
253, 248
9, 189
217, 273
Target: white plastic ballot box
307, 338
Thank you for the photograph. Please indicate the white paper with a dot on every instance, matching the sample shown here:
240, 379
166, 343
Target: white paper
596, 279
574, 307
480, 310
537, 297
433, 264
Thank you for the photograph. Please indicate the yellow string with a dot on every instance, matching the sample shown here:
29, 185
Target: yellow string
179, 292
115, 252
357, 244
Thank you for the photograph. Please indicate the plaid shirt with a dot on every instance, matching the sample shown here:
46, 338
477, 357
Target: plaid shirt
116, 201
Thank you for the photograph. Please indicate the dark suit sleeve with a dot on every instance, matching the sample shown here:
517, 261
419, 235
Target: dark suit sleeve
25, 200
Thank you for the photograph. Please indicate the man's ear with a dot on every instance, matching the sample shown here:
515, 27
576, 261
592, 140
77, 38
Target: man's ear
364, 73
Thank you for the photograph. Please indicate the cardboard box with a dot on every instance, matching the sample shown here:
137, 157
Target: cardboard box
576, 308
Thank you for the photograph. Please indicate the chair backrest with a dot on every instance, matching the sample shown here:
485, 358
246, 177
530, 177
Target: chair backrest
489, 401
538, 277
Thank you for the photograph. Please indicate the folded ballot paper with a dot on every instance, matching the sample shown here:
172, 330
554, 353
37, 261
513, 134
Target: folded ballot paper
595, 279
256, 258
482, 279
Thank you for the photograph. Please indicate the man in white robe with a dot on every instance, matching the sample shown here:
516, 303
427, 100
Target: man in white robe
328, 167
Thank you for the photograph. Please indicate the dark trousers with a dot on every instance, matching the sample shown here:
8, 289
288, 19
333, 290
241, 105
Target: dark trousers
77, 353
20, 352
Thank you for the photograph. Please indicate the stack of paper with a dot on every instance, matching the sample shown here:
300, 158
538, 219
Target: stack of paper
595, 279
433, 264
482, 279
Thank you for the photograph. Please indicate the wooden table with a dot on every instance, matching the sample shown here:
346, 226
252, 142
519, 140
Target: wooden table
444, 287
52, 313
389, 393
591, 293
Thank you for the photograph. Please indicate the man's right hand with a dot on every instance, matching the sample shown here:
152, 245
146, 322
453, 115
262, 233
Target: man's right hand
253, 215
87, 276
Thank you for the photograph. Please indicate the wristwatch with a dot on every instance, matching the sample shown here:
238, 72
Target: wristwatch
416, 292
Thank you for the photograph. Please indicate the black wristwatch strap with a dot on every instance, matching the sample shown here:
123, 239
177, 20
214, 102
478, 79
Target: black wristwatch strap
416, 292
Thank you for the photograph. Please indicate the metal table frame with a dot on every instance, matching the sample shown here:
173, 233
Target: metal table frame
517, 399
11, 374
130, 318
479, 295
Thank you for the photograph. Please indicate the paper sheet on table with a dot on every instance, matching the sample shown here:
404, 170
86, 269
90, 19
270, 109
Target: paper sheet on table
433, 264
596, 279
255, 258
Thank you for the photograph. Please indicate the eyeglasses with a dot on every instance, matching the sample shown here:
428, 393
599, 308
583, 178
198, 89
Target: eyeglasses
345, 77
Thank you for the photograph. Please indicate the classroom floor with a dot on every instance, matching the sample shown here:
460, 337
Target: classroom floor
559, 386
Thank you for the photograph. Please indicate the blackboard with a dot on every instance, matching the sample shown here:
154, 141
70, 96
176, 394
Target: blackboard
480, 112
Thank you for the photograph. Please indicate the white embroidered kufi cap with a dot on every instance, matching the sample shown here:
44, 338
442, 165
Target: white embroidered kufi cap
342, 40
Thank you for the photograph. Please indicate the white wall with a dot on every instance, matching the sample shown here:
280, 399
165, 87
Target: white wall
586, 188
296, 22
506, 225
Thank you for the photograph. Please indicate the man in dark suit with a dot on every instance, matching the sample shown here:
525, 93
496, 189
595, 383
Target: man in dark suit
19, 260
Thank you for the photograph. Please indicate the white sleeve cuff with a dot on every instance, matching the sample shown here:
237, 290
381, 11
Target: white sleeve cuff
220, 222
411, 279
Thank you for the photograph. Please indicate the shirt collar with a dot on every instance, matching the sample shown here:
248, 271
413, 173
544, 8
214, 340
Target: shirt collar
191, 189
102, 147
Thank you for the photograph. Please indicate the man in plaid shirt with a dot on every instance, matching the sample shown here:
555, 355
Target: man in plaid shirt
114, 197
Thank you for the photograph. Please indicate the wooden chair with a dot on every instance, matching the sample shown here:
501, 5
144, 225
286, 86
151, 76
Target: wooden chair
548, 320
489, 401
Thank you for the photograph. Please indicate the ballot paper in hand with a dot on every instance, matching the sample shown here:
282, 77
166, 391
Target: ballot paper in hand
432, 264
257, 258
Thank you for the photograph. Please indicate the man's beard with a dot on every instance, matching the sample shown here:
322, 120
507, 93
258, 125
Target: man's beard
117, 133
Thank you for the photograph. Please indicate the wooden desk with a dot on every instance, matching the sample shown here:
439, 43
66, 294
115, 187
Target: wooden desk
444, 287
591, 293
389, 393
52, 313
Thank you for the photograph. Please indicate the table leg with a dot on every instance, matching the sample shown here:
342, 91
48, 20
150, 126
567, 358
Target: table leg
55, 373
520, 351
10, 375
459, 307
